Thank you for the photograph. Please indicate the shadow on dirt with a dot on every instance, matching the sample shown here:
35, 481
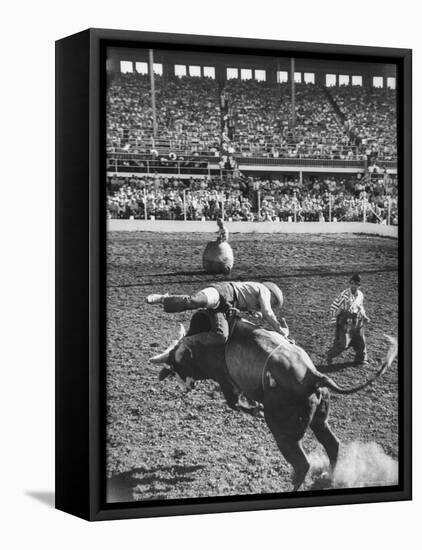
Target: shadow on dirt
301, 272
121, 487
176, 273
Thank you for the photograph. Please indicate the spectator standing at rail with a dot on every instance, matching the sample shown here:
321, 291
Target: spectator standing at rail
348, 314
222, 233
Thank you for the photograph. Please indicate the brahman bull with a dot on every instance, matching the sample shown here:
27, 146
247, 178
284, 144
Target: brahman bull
271, 370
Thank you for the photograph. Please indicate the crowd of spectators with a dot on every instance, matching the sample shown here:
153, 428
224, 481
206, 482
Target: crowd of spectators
254, 199
261, 125
370, 115
248, 118
198, 122
187, 115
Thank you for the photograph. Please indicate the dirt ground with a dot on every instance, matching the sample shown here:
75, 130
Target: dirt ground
166, 444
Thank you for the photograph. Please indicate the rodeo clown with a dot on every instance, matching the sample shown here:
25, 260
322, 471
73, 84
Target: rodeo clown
348, 314
258, 299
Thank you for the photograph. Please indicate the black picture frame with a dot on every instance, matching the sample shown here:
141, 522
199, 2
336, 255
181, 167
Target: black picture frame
80, 272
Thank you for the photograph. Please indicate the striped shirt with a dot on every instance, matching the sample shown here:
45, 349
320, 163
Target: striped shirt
347, 301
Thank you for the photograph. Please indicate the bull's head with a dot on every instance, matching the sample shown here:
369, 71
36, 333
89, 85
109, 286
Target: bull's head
178, 356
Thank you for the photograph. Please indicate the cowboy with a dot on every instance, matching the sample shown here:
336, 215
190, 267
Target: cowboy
258, 299
348, 314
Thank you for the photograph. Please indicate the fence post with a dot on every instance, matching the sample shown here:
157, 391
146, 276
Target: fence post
184, 204
295, 208
364, 207
329, 208
389, 211
145, 204
259, 203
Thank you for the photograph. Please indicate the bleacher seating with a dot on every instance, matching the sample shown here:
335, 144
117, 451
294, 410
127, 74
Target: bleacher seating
257, 122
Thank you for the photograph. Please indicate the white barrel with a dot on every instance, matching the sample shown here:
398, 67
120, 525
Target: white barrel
218, 258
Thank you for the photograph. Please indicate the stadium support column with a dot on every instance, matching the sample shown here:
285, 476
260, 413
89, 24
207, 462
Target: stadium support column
320, 79
364, 206
330, 207
152, 82
145, 204
292, 83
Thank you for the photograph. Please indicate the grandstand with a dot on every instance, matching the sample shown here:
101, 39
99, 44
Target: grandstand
195, 136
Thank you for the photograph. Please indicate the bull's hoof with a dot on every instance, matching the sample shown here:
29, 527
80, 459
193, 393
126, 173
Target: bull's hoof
299, 478
256, 412
364, 363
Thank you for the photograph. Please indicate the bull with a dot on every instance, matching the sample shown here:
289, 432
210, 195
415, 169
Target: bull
270, 370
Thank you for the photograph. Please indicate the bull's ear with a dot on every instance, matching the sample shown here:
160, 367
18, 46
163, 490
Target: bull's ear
183, 355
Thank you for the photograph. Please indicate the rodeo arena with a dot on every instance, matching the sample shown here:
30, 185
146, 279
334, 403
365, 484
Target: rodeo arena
252, 275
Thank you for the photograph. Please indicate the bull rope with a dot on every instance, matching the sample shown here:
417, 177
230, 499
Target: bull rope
266, 363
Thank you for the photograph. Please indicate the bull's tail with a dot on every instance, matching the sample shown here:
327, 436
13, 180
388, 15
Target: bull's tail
325, 381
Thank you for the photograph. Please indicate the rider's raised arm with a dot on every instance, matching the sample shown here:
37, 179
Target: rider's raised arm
269, 315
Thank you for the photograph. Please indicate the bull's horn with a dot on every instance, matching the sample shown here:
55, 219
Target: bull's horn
182, 331
162, 357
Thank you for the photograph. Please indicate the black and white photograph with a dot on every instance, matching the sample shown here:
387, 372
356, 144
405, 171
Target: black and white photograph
210, 237
252, 274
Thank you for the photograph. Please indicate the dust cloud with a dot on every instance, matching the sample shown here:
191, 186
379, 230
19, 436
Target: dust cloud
359, 465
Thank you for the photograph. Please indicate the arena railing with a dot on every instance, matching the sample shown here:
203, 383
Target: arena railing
206, 164
333, 209
310, 162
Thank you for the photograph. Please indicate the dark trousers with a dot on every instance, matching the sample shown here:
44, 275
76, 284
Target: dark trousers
219, 324
349, 333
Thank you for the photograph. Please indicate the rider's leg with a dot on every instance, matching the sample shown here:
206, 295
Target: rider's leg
207, 298
219, 326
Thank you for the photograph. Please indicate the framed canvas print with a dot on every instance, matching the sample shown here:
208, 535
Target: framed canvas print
233, 274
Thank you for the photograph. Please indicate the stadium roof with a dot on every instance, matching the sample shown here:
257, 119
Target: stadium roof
252, 61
